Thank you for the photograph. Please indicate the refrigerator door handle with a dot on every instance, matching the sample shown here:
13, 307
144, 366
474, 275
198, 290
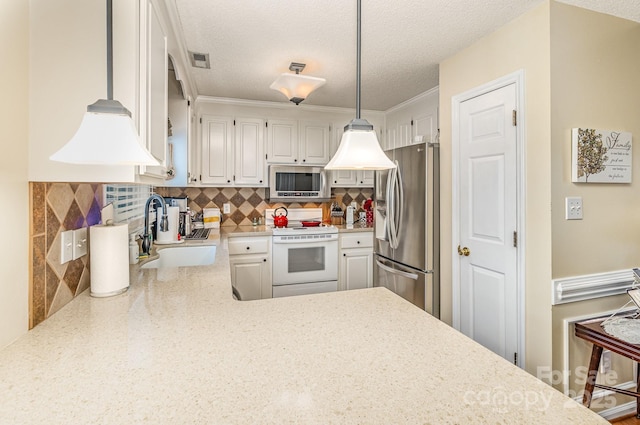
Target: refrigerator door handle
394, 203
400, 202
390, 208
408, 275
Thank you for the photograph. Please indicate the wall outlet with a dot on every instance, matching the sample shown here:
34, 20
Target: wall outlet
573, 208
226, 208
79, 242
66, 246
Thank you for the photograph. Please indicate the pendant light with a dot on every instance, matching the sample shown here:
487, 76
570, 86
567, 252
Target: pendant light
296, 86
359, 148
107, 134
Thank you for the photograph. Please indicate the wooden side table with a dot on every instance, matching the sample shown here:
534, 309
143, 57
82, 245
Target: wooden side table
592, 331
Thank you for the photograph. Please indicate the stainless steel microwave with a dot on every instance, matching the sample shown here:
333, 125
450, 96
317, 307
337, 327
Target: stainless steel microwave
294, 183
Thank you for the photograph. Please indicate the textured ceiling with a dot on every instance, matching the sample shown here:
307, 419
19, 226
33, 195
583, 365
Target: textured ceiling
250, 42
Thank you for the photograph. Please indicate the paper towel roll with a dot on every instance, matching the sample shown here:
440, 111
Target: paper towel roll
109, 248
173, 218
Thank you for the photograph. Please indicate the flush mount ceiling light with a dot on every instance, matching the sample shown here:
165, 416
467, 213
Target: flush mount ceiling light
296, 86
107, 134
359, 148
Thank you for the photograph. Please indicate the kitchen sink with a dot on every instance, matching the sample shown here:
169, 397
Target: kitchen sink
183, 256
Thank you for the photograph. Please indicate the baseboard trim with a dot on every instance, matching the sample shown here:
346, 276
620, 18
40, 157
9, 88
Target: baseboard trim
586, 287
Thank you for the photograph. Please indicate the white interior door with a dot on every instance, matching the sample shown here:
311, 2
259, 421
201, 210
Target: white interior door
487, 188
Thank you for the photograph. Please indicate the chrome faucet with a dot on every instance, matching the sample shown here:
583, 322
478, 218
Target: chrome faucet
164, 223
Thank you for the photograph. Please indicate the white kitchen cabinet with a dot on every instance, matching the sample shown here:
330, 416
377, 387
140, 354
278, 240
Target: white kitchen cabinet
217, 150
250, 264
414, 121
282, 141
298, 142
154, 90
249, 152
232, 151
315, 142
356, 261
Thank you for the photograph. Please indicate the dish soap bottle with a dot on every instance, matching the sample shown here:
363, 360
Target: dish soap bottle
134, 250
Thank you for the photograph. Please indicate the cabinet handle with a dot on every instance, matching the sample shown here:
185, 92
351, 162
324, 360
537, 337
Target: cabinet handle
260, 181
295, 160
344, 255
264, 259
228, 181
358, 242
361, 182
248, 248
335, 181
304, 160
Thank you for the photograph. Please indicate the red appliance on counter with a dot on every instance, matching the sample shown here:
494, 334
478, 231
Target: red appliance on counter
280, 220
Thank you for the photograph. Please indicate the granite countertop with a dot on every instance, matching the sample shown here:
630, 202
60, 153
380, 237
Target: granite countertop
176, 349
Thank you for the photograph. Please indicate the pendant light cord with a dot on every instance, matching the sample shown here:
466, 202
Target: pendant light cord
358, 59
110, 50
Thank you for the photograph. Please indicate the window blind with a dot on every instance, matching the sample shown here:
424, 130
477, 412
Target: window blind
128, 200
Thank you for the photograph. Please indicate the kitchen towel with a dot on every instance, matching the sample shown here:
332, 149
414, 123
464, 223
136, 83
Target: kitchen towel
173, 218
109, 248
211, 218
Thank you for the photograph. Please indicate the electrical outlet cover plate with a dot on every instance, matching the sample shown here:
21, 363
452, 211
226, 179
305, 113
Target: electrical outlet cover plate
573, 208
79, 242
226, 208
66, 246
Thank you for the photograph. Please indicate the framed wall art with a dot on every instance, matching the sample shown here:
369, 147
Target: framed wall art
600, 156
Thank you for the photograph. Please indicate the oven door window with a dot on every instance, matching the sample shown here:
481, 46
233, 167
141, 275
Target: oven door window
302, 260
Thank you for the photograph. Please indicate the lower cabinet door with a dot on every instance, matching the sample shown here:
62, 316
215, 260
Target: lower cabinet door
251, 276
356, 269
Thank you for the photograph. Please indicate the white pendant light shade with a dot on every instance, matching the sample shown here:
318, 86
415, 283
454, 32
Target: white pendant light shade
360, 150
296, 87
105, 138
107, 134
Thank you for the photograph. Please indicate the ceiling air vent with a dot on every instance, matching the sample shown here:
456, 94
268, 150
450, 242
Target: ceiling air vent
199, 60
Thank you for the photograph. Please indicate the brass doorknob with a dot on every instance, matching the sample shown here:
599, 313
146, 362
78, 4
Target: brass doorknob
463, 251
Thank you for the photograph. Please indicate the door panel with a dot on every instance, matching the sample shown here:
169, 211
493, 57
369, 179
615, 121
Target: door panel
488, 217
489, 313
487, 205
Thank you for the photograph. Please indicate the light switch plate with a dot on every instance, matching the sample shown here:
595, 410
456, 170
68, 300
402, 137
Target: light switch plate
573, 208
66, 246
79, 242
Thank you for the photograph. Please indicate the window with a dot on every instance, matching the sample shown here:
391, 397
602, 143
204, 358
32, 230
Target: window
128, 202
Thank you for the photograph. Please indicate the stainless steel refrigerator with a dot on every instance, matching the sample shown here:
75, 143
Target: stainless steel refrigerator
407, 226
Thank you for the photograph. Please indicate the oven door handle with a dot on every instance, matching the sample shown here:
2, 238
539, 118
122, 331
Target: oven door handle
411, 276
304, 242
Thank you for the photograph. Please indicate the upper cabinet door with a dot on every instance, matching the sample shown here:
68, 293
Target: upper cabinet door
424, 128
282, 141
249, 152
217, 150
315, 142
155, 88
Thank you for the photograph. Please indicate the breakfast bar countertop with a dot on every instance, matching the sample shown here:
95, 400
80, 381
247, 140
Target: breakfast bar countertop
176, 349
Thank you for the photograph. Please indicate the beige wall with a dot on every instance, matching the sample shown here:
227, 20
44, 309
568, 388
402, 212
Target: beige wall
595, 83
523, 44
14, 189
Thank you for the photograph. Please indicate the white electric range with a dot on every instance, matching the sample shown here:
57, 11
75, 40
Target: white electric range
304, 259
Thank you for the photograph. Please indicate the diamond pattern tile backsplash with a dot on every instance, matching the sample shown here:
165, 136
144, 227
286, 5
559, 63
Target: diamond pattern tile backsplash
248, 203
56, 207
